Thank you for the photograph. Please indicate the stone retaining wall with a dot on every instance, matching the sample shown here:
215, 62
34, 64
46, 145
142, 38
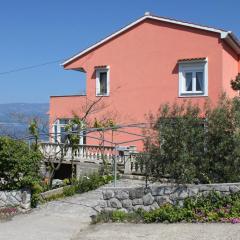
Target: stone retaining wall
20, 199
130, 199
52, 193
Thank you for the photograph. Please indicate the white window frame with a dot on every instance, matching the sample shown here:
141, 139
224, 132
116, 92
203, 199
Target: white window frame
58, 133
58, 126
98, 71
193, 67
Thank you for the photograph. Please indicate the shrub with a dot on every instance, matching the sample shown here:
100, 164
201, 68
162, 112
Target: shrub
54, 197
69, 191
36, 190
119, 216
212, 208
81, 185
91, 182
66, 181
19, 165
188, 148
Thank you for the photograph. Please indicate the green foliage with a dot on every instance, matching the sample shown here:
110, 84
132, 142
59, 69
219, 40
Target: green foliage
235, 84
73, 130
69, 191
54, 197
91, 182
119, 216
36, 190
19, 165
168, 213
81, 185
88, 183
66, 181
212, 208
104, 124
34, 131
188, 148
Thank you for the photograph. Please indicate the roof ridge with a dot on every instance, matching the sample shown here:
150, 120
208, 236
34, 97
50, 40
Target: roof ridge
224, 34
183, 21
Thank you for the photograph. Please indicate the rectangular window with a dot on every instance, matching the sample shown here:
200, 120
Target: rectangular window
193, 78
102, 82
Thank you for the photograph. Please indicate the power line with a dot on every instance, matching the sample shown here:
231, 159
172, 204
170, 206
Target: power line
30, 67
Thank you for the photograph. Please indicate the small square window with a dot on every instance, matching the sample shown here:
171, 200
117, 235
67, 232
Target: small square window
102, 82
193, 78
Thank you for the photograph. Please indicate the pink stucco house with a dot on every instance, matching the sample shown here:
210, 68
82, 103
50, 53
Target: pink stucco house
149, 62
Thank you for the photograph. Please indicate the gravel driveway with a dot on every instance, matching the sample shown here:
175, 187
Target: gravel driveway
69, 219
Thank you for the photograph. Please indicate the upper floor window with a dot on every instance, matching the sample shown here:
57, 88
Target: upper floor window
102, 82
193, 78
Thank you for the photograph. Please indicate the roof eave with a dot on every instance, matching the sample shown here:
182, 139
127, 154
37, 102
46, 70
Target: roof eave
232, 41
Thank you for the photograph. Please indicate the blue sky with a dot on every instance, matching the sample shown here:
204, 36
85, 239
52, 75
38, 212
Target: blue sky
36, 32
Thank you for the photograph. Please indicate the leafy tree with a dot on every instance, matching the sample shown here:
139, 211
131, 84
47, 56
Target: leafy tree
222, 159
184, 146
19, 165
34, 131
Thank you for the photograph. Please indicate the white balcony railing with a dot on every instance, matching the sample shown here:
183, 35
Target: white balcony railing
83, 153
94, 154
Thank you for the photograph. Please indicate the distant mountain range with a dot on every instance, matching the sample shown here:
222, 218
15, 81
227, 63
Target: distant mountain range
15, 117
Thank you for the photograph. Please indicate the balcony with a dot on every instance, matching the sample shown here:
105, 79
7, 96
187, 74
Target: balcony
125, 158
84, 153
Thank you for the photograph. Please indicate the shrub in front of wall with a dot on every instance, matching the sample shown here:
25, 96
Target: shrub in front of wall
212, 208
91, 182
81, 185
191, 145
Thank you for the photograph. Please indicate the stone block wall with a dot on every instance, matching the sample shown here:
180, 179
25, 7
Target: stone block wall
131, 199
84, 168
20, 199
